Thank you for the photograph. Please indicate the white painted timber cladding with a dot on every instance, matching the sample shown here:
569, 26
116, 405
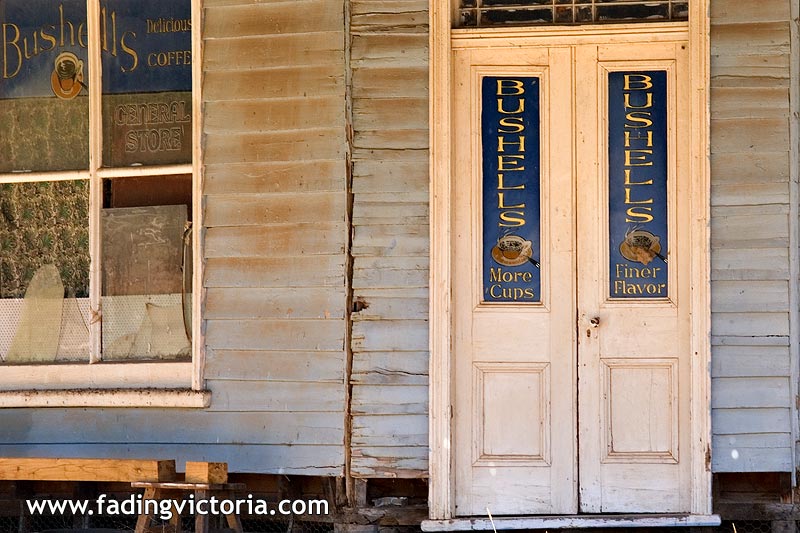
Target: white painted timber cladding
750, 236
389, 67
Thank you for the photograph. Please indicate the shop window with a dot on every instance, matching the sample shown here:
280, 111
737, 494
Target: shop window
96, 183
486, 13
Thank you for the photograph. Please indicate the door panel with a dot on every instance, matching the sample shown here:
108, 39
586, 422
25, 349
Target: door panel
514, 360
634, 360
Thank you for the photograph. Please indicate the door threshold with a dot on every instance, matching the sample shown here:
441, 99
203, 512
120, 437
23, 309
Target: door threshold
572, 521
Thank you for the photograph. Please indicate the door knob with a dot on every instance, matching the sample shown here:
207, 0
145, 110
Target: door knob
595, 321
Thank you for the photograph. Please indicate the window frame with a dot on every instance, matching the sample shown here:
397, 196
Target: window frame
134, 383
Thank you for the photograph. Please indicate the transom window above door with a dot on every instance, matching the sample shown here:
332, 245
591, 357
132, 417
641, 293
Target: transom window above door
492, 13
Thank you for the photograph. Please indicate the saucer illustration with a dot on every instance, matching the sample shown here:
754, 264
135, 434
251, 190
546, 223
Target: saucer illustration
512, 250
641, 246
67, 77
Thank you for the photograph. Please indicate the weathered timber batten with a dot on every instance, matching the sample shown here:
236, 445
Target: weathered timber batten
751, 394
389, 61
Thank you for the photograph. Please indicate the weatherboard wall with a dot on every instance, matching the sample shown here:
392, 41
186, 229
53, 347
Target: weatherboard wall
276, 224
751, 394
389, 68
276, 233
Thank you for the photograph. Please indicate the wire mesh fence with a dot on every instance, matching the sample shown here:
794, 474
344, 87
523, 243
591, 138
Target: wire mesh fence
746, 526
48, 523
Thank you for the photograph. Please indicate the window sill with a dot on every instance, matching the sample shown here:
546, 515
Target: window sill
122, 375
156, 398
123, 384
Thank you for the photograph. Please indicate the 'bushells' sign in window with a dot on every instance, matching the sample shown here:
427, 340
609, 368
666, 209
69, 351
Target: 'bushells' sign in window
44, 113
44, 84
147, 73
511, 212
637, 211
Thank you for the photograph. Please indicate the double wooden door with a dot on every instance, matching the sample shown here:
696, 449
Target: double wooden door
571, 277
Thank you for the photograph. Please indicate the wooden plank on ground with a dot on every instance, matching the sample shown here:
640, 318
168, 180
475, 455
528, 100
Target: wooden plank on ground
51, 469
253, 458
202, 472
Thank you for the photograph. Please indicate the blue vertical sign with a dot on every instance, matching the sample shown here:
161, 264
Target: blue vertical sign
510, 137
637, 184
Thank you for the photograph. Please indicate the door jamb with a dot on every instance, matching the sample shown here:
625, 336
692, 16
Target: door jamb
440, 493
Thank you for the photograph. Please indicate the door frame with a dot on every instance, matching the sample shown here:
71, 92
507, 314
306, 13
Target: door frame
443, 40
